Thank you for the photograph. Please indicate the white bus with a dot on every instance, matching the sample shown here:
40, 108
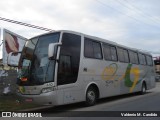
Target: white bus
65, 67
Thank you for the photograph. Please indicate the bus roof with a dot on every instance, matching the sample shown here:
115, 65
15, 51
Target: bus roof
98, 39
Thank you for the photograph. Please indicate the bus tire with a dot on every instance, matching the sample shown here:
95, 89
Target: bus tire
143, 89
91, 96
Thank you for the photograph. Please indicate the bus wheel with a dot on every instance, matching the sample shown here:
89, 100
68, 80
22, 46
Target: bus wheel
91, 96
143, 89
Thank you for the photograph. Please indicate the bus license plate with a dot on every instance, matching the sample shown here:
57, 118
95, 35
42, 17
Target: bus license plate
29, 100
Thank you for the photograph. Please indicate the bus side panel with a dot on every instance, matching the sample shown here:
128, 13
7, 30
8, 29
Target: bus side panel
96, 71
133, 77
71, 93
115, 78
151, 83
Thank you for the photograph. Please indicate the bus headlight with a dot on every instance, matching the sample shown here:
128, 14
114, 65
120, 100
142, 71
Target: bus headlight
49, 89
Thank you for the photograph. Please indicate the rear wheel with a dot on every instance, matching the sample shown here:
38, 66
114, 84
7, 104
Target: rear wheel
91, 96
143, 89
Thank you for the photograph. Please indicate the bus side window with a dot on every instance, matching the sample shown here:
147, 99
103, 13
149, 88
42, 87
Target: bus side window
109, 52
133, 57
123, 55
142, 59
92, 49
149, 60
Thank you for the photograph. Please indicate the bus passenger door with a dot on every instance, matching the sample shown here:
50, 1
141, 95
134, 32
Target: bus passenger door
68, 67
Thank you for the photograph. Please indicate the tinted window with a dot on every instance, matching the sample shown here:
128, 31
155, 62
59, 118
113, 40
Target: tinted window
109, 52
133, 57
122, 55
69, 59
92, 49
149, 60
126, 58
142, 59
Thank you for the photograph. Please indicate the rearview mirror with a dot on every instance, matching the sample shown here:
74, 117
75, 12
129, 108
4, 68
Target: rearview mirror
52, 50
13, 59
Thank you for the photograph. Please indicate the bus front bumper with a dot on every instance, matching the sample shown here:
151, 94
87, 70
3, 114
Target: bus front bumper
41, 99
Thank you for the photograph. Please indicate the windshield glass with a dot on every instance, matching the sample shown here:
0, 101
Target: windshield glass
35, 67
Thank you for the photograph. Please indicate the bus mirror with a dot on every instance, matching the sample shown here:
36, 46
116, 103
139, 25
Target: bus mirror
52, 50
13, 59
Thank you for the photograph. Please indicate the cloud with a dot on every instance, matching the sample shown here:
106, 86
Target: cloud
72, 15
111, 20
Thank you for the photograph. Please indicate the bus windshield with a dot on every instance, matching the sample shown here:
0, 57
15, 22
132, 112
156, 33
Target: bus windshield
35, 68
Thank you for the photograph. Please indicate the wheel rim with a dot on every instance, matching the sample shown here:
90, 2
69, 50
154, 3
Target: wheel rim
91, 96
144, 89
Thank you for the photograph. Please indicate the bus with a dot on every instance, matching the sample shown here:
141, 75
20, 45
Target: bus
64, 67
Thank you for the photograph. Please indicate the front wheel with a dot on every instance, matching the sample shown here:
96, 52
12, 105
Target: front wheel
91, 96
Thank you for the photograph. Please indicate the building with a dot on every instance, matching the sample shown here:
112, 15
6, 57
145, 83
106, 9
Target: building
157, 64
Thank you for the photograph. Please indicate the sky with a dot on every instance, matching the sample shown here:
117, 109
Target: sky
133, 23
